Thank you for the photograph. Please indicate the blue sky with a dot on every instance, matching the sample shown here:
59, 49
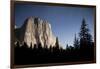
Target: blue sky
65, 21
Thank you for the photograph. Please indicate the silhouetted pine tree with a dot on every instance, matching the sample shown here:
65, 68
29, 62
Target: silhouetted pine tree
25, 45
57, 43
85, 36
35, 46
76, 42
86, 45
39, 46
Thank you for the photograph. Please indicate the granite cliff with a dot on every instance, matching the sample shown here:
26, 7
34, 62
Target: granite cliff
35, 31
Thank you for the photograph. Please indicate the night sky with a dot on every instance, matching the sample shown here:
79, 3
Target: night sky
65, 21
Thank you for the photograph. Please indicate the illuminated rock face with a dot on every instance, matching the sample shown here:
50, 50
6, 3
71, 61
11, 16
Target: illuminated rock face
35, 31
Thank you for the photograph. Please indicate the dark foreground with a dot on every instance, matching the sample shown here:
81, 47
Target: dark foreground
38, 55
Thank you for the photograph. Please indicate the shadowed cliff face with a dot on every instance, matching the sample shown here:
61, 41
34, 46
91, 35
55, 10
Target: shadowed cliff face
35, 31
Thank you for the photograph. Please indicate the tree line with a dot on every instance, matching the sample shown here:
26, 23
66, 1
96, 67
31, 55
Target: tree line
82, 50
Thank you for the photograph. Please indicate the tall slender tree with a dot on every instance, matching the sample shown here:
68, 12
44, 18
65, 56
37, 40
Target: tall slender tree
57, 43
76, 42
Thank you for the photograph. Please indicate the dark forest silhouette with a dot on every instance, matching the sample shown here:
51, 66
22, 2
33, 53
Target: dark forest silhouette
82, 50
